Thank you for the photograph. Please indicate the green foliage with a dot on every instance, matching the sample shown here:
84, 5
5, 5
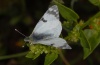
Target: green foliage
50, 57
90, 39
36, 50
90, 20
32, 55
95, 2
67, 13
67, 26
74, 34
73, 31
59, 1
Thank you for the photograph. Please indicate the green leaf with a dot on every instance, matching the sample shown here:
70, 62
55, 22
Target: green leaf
32, 55
50, 58
90, 39
84, 41
67, 13
95, 2
59, 1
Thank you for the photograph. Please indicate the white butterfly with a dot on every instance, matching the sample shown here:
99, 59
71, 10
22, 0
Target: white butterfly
48, 29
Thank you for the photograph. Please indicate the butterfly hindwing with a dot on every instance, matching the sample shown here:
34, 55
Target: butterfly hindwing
56, 42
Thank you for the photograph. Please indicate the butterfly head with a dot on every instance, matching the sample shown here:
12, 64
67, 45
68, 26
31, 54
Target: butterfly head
29, 40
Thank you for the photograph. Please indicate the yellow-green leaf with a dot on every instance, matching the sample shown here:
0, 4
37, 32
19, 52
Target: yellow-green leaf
50, 58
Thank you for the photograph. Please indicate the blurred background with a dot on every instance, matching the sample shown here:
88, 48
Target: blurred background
23, 15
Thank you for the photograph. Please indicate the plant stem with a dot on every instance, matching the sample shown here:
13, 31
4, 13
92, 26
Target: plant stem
13, 55
63, 58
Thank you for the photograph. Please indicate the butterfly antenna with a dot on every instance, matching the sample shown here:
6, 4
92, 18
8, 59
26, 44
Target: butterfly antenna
20, 33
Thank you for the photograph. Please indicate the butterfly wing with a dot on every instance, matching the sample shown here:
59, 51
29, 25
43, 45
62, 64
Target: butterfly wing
49, 25
56, 42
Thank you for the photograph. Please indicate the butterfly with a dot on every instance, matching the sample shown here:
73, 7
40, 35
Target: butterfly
48, 30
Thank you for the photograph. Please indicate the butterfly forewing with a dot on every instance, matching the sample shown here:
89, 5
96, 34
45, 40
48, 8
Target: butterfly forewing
49, 24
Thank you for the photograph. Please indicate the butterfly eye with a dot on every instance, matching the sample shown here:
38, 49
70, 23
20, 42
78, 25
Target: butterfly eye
44, 20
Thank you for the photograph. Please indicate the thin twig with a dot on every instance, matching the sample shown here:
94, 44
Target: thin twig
13, 55
63, 58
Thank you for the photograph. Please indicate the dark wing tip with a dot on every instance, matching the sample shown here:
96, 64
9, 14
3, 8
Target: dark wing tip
54, 11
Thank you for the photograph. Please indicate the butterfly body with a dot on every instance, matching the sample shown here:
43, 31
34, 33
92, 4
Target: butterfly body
48, 29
